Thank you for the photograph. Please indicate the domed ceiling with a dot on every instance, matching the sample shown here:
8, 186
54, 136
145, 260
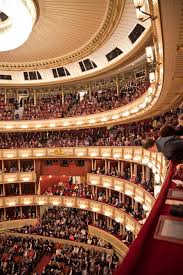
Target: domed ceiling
66, 30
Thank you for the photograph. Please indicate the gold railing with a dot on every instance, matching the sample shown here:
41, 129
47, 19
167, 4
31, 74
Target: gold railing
135, 154
17, 177
120, 248
102, 208
136, 192
117, 115
7, 225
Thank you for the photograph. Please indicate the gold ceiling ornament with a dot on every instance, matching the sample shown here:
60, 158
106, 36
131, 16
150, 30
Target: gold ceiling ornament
108, 24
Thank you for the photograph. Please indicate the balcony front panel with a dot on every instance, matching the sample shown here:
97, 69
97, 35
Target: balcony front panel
120, 248
122, 186
17, 177
7, 225
64, 201
131, 153
118, 115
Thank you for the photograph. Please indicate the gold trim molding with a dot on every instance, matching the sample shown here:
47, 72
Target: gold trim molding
133, 154
95, 206
122, 186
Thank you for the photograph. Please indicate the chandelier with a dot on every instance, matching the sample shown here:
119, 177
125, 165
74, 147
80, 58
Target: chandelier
17, 18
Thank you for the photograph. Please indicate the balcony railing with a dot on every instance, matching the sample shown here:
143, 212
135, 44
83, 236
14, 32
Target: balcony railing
17, 177
120, 248
135, 154
64, 201
7, 225
134, 191
117, 115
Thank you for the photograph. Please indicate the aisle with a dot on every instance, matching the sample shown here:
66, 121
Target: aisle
43, 262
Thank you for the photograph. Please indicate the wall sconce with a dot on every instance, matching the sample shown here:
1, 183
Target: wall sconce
52, 125
149, 54
150, 91
140, 11
103, 119
128, 193
24, 126
96, 209
119, 220
107, 213
115, 116
145, 207
66, 123
116, 156
117, 187
152, 77
107, 184
157, 178
125, 114
9, 126
79, 122
93, 154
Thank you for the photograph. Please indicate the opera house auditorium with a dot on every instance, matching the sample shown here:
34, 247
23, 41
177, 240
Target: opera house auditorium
91, 137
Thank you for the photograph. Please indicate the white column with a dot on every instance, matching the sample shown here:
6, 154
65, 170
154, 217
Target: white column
5, 213
122, 169
34, 92
89, 89
135, 169
21, 211
106, 194
131, 169
119, 167
5, 96
147, 173
143, 173
63, 94
108, 165
18, 165
20, 189
3, 189
117, 85
105, 166
92, 165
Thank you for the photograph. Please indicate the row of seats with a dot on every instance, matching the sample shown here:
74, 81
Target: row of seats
52, 106
132, 134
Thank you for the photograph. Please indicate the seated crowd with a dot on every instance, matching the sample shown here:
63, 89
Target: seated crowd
65, 223
73, 260
84, 191
14, 213
19, 256
108, 99
132, 134
48, 107
72, 224
51, 106
15, 169
147, 184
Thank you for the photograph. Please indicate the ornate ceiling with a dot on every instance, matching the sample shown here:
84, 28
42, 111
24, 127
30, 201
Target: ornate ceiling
65, 31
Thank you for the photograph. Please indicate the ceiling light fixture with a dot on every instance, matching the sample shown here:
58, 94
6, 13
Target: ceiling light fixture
17, 19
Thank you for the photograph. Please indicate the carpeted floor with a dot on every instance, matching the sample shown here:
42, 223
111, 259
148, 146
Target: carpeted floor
43, 262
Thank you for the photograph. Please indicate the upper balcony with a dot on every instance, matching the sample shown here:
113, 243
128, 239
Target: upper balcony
159, 96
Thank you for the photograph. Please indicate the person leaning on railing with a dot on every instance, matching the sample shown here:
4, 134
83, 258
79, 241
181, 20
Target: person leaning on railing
179, 127
169, 144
